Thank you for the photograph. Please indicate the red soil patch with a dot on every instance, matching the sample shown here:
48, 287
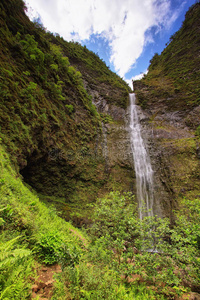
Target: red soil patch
43, 285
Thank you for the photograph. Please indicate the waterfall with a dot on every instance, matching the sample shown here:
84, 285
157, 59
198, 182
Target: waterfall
142, 163
105, 146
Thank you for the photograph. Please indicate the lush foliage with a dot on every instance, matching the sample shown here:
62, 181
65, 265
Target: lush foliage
16, 264
130, 258
29, 231
117, 262
48, 120
197, 132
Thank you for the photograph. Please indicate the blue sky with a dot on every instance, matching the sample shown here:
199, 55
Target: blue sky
124, 33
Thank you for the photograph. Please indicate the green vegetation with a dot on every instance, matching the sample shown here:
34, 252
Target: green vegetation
29, 231
197, 132
95, 72
112, 262
16, 264
173, 76
70, 108
47, 109
49, 133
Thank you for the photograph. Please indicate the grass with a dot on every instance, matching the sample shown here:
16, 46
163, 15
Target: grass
29, 231
27, 206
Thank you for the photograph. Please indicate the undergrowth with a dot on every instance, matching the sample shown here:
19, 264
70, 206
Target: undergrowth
29, 232
112, 260
130, 258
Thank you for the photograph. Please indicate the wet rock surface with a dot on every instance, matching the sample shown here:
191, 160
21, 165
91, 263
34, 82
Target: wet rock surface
174, 152
114, 144
170, 142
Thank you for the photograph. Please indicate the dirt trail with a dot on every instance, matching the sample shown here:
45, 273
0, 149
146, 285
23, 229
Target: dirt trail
43, 285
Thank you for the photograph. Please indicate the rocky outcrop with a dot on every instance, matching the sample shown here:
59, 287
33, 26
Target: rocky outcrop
170, 98
174, 152
114, 144
171, 145
116, 149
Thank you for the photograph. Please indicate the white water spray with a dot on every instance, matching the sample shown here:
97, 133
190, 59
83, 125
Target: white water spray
143, 169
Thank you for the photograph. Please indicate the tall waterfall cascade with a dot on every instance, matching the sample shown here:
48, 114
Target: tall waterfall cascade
142, 163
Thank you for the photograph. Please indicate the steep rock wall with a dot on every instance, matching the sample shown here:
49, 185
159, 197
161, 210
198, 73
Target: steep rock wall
174, 151
115, 144
170, 97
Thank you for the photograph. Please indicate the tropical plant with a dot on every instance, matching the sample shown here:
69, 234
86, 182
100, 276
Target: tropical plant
16, 265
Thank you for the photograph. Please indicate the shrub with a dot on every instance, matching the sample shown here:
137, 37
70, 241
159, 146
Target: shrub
150, 248
51, 248
48, 246
197, 132
30, 47
70, 108
54, 67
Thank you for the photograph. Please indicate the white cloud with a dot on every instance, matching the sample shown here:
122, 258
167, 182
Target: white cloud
137, 77
122, 23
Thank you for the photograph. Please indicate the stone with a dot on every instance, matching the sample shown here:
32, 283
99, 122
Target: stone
49, 283
35, 288
41, 285
34, 295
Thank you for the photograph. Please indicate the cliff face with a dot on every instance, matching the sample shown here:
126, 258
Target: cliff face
170, 97
64, 116
62, 145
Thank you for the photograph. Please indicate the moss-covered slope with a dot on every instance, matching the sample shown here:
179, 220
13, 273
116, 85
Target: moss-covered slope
48, 121
173, 76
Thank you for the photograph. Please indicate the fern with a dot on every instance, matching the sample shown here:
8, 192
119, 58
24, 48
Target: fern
15, 267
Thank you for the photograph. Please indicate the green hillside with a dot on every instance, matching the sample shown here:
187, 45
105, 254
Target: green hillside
170, 96
173, 76
48, 122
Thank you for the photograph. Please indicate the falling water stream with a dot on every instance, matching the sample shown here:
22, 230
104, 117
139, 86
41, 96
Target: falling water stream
142, 163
